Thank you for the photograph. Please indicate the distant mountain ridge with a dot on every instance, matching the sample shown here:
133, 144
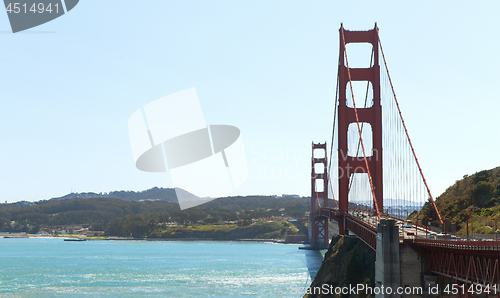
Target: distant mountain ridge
152, 194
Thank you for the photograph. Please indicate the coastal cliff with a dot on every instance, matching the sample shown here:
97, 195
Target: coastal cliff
349, 261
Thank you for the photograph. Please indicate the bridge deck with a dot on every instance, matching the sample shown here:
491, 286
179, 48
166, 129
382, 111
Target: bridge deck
364, 225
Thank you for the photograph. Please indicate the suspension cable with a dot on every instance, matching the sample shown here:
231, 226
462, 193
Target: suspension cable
334, 121
406, 131
359, 127
333, 136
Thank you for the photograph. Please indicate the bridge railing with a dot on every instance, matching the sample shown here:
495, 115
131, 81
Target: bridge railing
460, 244
364, 231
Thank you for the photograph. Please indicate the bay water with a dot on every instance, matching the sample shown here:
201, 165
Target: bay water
51, 267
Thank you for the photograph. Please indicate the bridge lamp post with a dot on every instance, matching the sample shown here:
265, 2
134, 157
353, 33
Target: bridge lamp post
416, 226
496, 230
467, 224
451, 225
445, 224
427, 227
472, 227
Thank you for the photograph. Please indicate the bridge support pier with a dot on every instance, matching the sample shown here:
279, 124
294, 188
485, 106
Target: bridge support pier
411, 270
397, 264
388, 261
317, 243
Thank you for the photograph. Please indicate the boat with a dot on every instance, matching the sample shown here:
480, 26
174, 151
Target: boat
74, 239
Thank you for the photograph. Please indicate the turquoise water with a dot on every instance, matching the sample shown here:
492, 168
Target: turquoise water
44, 267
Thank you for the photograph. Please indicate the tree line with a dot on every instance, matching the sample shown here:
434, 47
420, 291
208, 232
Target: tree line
123, 218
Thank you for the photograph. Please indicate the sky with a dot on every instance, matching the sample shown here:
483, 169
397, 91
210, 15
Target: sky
68, 87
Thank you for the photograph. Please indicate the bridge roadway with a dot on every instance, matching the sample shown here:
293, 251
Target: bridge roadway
364, 225
469, 261
368, 223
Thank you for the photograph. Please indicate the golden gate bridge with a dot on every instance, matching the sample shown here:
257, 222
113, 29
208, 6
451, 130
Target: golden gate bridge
373, 178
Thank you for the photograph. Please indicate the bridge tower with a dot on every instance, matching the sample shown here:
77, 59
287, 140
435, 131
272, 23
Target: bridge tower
348, 165
318, 223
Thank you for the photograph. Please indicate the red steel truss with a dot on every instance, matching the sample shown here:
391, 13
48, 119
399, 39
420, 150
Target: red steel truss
471, 262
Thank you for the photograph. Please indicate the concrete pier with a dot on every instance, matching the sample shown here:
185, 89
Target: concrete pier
388, 262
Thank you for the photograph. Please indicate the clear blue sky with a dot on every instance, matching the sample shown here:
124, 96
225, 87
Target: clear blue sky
68, 87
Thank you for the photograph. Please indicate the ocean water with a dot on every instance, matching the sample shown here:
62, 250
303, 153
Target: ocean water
48, 267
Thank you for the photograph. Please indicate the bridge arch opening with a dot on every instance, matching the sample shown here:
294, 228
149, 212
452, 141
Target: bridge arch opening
363, 94
320, 185
359, 54
354, 148
319, 168
319, 153
360, 194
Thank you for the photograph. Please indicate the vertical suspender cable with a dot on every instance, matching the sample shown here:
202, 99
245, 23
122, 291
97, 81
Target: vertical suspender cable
406, 131
333, 136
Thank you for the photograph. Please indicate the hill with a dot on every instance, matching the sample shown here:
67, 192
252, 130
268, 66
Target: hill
96, 211
158, 218
475, 197
152, 194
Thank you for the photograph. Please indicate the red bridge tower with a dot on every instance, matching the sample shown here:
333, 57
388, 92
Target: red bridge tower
318, 223
348, 165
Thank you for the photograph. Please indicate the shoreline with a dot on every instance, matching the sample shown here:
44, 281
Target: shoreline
276, 241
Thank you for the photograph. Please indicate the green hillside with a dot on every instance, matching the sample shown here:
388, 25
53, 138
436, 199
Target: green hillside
476, 196
223, 218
